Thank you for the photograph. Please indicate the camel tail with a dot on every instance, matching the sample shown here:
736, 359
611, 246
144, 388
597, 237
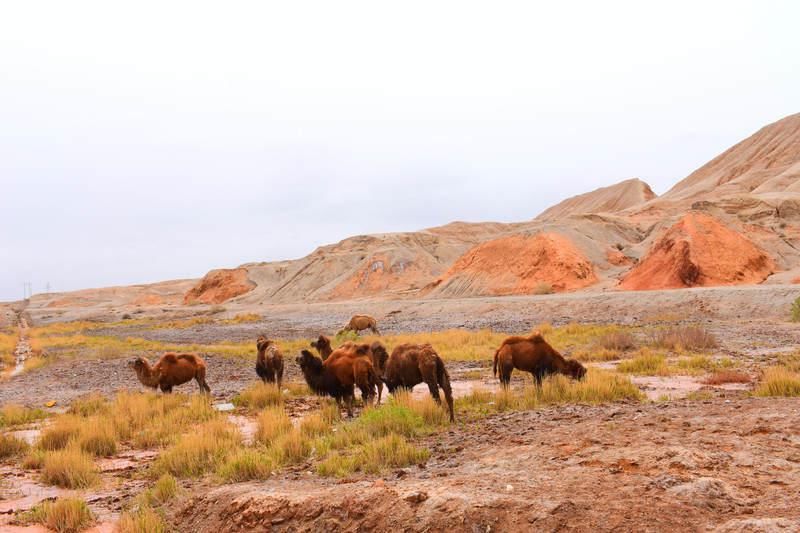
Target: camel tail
494, 365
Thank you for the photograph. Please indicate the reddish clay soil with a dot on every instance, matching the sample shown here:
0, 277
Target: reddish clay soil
219, 286
518, 264
715, 465
699, 251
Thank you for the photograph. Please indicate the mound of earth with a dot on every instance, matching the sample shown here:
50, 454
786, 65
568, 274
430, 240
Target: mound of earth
518, 264
760, 170
699, 251
623, 195
220, 286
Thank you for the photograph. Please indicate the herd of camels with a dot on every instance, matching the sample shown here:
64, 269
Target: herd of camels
337, 372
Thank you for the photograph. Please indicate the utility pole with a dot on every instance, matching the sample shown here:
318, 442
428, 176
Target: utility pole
47, 288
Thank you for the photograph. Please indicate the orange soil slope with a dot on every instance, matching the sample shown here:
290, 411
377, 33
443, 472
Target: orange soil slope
699, 251
219, 286
518, 264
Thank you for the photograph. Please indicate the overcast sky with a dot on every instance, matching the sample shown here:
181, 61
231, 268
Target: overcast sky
148, 141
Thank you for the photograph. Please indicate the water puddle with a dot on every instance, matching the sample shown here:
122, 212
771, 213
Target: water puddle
246, 426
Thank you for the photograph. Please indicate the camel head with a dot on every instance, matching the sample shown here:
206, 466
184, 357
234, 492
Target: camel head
308, 362
574, 369
262, 342
138, 364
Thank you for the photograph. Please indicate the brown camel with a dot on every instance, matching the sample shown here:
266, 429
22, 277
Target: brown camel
340, 374
269, 361
361, 322
533, 354
412, 364
171, 370
377, 354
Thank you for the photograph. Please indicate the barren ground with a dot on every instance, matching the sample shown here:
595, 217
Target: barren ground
723, 461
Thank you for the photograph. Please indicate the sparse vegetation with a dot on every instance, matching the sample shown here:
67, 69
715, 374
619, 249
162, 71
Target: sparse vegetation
778, 381
203, 450
683, 338
70, 468
64, 515
142, 519
727, 376
16, 415
618, 340
646, 364
11, 446
795, 310
258, 396
271, 424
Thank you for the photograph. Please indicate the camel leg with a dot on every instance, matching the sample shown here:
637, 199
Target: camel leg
380, 391
166, 389
375, 330
349, 404
280, 376
444, 383
505, 374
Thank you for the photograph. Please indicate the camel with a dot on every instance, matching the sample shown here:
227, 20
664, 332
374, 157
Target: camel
533, 354
269, 361
171, 370
341, 373
361, 322
412, 364
378, 355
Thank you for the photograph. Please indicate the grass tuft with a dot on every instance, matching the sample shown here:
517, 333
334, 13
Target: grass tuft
778, 381
64, 515
271, 424
258, 396
143, 519
11, 446
683, 338
17, 415
727, 376
70, 468
198, 452
648, 363
247, 465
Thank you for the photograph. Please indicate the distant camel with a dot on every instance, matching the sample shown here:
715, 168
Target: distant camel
269, 361
171, 370
361, 322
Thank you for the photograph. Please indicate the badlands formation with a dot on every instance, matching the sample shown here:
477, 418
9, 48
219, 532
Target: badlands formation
735, 220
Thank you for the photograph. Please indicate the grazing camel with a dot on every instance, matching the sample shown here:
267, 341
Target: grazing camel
269, 361
412, 364
533, 354
341, 373
171, 370
378, 354
361, 322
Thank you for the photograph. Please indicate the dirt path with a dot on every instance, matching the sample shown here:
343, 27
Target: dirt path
717, 465
23, 349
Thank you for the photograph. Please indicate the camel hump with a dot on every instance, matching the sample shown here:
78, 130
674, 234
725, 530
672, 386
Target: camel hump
170, 358
536, 336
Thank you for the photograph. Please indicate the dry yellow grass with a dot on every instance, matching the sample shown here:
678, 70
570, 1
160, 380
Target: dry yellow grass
17, 415
203, 450
11, 446
70, 468
598, 386
778, 381
272, 423
247, 465
142, 519
64, 515
259, 395
60, 432
646, 363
